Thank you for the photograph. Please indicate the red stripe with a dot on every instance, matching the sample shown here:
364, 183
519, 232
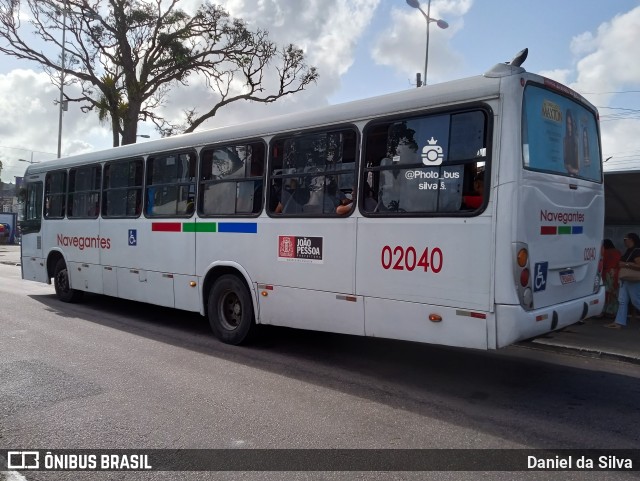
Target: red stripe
166, 227
548, 230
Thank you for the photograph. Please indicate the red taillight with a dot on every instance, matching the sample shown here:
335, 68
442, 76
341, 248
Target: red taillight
524, 277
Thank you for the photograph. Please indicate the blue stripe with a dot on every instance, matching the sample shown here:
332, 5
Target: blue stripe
238, 227
577, 229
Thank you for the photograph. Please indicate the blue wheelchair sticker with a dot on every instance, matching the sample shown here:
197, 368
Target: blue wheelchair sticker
540, 276
133, 237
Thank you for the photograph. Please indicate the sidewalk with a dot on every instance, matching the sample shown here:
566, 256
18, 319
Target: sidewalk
589, 339
594, 340
10, 254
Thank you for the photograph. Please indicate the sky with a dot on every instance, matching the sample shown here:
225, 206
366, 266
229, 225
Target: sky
364, 48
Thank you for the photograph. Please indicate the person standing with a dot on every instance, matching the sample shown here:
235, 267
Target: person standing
629, 289
611, 266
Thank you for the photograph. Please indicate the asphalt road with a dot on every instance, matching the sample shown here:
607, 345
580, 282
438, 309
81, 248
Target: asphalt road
117, 374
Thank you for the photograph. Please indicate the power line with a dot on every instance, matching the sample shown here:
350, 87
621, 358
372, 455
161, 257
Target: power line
612, 92
28, 150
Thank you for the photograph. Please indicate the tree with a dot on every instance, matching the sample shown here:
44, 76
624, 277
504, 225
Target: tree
127, 57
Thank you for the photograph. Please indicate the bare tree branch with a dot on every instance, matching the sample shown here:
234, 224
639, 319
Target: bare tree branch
127, 55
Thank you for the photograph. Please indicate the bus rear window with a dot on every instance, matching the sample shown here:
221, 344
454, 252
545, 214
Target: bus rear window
559, 135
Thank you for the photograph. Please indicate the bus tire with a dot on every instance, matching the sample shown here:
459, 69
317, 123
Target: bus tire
61, 284
230, 310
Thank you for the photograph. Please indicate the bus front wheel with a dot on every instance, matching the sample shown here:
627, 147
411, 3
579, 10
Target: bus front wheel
230, 310
62, 285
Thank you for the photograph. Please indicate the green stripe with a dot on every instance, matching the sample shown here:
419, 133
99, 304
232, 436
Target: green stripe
564, 229
200, 227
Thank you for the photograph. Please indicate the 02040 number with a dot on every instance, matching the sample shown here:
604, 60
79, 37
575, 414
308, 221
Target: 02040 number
401, 258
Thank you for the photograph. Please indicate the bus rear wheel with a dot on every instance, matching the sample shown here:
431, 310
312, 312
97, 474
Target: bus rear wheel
62, 285
230, 310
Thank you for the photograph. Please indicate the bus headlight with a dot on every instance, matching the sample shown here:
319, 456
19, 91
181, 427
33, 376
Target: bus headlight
596, 284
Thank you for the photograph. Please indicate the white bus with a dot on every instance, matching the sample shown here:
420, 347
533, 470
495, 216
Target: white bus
240, 223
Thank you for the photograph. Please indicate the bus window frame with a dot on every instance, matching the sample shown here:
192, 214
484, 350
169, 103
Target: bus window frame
107, 163
579, 102
69, 206
300, 133
489, 124
200, 182
49, 173
166, 153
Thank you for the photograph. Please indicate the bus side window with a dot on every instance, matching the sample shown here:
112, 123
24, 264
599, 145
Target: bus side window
311, 171
231, 179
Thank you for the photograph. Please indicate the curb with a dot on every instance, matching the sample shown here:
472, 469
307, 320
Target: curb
580, 351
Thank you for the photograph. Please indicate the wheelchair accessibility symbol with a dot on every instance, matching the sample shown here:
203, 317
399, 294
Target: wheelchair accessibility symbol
133, 237
540, 276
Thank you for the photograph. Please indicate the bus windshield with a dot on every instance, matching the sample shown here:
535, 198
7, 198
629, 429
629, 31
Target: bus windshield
559, 135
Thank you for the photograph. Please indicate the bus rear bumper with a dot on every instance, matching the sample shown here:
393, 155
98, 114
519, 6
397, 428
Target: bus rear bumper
514, 324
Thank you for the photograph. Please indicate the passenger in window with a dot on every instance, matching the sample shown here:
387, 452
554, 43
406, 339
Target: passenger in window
344, 203
333, 197
274, 196
370, 201
474, 201
316, 203
293, 198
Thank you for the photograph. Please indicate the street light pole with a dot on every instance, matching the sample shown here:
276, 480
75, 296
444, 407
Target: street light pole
426, 55
30, 161
427, 16
64, 32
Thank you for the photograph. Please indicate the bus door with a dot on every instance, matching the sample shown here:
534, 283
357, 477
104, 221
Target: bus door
33, 264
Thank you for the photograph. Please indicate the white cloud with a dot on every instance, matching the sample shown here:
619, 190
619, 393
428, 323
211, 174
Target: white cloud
609, 65
29, 121
396, 46
327, 31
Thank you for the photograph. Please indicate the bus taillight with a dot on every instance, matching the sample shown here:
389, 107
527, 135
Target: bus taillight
523, 257
522, 275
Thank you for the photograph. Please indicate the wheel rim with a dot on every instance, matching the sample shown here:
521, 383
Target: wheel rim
230, 311
62, 281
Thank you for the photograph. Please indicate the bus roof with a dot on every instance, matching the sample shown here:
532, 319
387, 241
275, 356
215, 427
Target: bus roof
469, 89
481, 87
